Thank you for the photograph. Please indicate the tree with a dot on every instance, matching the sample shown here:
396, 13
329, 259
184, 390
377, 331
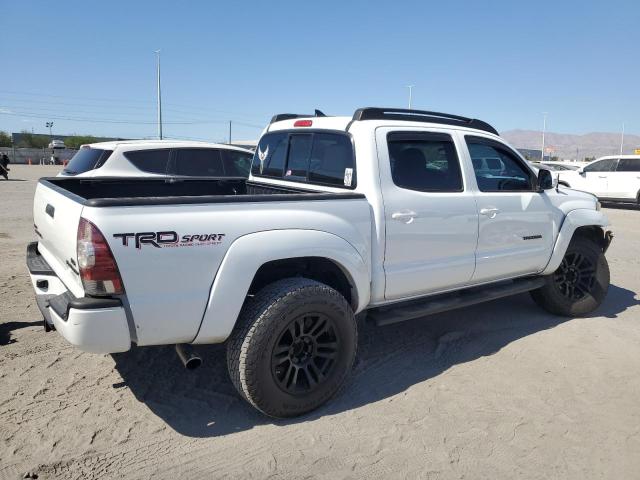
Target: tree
30, 140
5, 139
75, 141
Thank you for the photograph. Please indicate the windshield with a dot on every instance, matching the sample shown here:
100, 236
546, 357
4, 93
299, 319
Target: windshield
87, 159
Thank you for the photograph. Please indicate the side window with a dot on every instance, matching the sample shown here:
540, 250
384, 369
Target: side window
270, 155
497, 169
236, 163
299, 150
629, 165
199, 162
425, 162
331, 161
602, 166
152, 161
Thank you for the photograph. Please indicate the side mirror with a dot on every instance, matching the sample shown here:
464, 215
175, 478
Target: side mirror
580, 170
545, 180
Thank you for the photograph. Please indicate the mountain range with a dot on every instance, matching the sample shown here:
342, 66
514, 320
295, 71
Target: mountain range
568, 146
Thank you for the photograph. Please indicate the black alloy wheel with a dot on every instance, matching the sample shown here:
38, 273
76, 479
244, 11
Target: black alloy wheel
576, 276
305, 353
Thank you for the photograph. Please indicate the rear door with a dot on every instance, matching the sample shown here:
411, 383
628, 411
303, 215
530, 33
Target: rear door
431, 222
624, 183
56, 218
517, 224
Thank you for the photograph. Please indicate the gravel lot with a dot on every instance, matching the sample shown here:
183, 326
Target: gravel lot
501, 390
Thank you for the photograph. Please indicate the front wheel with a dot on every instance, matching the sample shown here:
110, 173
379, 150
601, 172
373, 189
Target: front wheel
293, 347
580, 283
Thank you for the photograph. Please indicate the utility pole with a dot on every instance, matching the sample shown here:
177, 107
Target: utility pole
229, 131
159, 98
622, 139
410, 87
544, 128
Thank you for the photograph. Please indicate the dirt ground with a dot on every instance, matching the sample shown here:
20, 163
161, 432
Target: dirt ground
497, 391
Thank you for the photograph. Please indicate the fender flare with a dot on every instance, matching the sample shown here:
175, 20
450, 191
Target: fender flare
248, 253
575, 219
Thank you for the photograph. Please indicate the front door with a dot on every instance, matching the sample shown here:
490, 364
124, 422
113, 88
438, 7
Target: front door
517, 224
431, 222
596, 177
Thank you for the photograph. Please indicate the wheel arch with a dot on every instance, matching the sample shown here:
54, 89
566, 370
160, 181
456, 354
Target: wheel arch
258, 259
587, 223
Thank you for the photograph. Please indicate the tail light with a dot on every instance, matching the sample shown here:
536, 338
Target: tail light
98, 269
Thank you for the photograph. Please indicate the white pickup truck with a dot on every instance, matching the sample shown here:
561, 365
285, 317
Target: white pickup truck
381, 212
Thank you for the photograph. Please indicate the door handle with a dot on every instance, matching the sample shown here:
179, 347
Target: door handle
406, 216
602, 176
490, 212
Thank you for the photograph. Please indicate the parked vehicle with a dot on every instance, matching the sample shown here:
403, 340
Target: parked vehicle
56, 144
382, 213
559, 166
144, 158
615, 178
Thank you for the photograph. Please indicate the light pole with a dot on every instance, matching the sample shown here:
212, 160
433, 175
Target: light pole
622, 139
159, 98
49, 125
410, 87
544, 128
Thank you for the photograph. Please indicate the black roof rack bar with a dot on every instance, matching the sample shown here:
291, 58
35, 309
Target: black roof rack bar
290, 116
377, 113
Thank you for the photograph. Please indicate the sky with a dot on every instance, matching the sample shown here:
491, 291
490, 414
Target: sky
90, 67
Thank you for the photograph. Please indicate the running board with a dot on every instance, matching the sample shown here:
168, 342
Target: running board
401, 312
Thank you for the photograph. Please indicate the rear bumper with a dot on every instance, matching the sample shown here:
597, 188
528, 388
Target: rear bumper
96, 325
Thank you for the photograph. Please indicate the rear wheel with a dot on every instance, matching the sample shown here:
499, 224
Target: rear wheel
580, 283
293, 347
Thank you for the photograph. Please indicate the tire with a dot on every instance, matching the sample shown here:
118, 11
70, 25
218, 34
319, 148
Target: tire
293, 347
580, 284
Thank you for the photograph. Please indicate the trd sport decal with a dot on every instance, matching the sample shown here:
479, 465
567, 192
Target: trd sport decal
169, 239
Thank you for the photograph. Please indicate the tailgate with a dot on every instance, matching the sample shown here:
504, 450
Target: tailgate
56, 217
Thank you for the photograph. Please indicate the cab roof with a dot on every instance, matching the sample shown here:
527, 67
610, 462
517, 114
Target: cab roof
320, 120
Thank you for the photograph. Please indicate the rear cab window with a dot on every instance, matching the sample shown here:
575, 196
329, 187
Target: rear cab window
314, 157
87, 159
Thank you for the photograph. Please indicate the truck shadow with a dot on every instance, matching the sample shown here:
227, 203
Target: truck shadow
204, 403
621, 206
7, 327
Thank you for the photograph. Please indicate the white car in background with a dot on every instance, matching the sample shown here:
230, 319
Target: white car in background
144, 158
55, 144
614, 178
559, 166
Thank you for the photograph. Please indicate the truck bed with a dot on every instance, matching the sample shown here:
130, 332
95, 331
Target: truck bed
121, 192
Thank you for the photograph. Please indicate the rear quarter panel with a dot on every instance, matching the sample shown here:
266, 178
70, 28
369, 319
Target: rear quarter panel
168, 287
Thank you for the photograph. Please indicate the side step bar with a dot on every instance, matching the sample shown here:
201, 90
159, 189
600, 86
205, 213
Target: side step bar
448, 301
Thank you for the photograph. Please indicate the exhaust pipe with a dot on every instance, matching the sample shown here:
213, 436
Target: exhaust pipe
187, 355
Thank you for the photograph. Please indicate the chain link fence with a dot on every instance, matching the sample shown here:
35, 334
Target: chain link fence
37, 156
